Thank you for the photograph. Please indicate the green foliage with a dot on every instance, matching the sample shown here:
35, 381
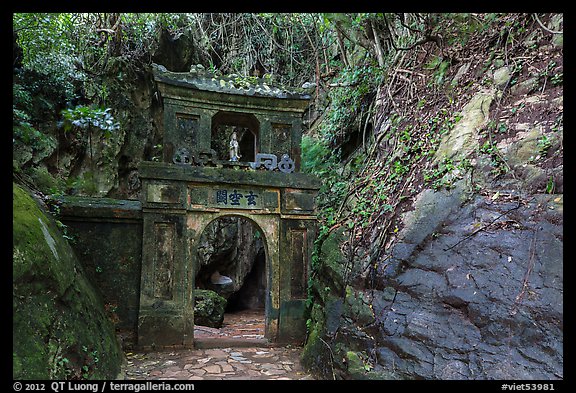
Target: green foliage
47, 42
354, 86
86, 117
25, 133
84, 184
439, 66
23, 104
457, 28
446, 172
318, 159
498, 164
496, 128
550, 185
544, 144
244, 82
557, 79
62, 368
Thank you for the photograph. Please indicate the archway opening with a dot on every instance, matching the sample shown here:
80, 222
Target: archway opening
231, 280
252, 294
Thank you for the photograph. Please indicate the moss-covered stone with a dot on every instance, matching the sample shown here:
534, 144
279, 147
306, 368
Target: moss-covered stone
316, 355
107, 237
209, 308
333, 262
358, 306
45, 181
463, 138
355, 365
325, 316
60, 328
359, 367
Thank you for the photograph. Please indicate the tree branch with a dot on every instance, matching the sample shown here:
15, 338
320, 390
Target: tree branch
428, 37
544, 27
378, 46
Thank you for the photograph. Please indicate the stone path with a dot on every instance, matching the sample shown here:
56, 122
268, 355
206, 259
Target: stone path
282, 363
246, 325
238, 350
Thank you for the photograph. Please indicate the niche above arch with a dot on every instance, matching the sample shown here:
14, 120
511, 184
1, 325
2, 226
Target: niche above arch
247, 129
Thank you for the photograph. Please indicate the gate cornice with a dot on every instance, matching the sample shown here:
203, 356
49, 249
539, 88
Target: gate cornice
167, 171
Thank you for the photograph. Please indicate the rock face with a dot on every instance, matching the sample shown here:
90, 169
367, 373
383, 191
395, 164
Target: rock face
228, 249
469, 282
60, 327
472, 291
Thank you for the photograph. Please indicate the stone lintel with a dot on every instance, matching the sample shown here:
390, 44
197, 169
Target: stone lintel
262, 178
99, 209
177, 95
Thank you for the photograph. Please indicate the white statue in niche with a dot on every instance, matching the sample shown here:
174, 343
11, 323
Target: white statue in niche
234, 147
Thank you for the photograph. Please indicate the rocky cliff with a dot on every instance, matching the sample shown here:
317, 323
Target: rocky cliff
458, 271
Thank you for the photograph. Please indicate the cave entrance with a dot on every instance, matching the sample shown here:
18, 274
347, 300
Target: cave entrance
231, 265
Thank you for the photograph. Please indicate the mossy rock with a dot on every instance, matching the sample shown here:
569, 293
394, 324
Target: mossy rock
463, 138
332, 263
360, 368
358, 306
60, 328
316, 354
209, 308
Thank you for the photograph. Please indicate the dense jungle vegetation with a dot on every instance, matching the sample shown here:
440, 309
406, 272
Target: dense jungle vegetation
70, 71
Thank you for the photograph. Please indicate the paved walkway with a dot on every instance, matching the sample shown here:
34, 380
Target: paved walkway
217, 363
238, 350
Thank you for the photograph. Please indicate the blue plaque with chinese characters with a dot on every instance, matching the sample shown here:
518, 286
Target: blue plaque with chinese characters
234, 197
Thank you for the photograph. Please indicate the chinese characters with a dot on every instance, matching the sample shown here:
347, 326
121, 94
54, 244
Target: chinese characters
235, 198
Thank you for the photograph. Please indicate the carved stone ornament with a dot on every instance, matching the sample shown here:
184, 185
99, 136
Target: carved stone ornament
286, 164
268, 161
209, 157
206, 157
182, 157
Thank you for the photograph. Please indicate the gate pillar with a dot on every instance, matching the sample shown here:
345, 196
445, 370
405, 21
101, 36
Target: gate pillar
166, 304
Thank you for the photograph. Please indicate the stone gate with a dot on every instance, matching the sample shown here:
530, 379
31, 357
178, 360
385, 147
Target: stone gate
206, 173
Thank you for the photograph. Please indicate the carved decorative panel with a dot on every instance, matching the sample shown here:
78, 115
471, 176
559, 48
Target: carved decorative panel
164, 260
298, 277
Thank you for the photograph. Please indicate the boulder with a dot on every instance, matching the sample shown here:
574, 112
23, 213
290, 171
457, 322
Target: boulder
463, 138
501, 77
208, 308
60, 327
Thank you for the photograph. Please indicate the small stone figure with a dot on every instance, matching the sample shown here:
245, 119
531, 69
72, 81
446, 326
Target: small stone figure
234, 147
